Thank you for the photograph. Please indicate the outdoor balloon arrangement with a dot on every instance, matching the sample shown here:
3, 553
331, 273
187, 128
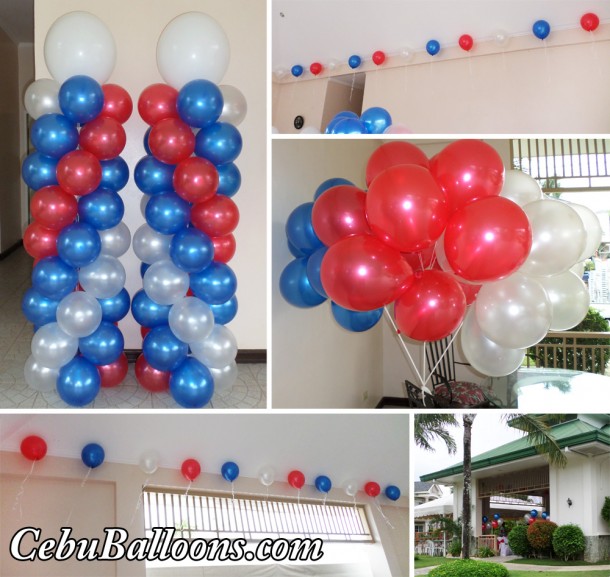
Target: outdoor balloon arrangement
453, 242
496, 521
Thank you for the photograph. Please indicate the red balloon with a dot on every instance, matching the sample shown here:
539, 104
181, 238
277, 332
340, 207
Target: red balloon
144, 331
39, 241
191, 469
33, 448
431, 308
171, 140
224, 247
217, 216
422, 259
340, 212
53, 208
494, 524
531, 521
406, 208
113, 374
467, 170
589, 21
466, 42
104, 137
362, 273
195, 179
392, 153
79, 172
378, 57
487, 239
150, 378
296, 479
315, 68
372, 489
117, 103
158, 101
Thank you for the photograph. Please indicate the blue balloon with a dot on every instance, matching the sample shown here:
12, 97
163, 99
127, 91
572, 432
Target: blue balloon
191, 384
219, 143
144, 266
215, 284
534, 513
545, 515
329, 183
102, 209
115, 308
354, 61
323, 484
296, 70
485, 519
163, 350
104, 346
167, 213
224, 313
314, 262
230, 471
338, 118
191, 250
81, 98
79, 244
153, 176
299, 229
38, 309
39, 170
92, 455
376, 120
349, 126
78, 382
229, 179
147, 312
199, 103
433, 47
146, 145
392, 492
54, 135
294, 251
295, 286
356, 321
115, 173
53, 278
541, 29
496, 516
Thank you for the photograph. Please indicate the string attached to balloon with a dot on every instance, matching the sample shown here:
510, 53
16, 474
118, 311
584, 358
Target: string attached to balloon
21, 492
149, 463
372, 489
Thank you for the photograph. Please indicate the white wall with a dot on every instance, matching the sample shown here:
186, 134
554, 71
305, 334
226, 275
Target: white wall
136, 25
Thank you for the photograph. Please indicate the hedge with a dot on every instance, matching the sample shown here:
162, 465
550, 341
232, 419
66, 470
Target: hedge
569, 542
469, 568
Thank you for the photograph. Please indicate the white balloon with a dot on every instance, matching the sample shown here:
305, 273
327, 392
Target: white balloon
310, 130
150, 245
104, 278
143, 202
520, 187
501, 38
569, 298
351, 488
193, 45
235, 106
218, 350
224, 378
397, 128
149, 462
266, 475
40, 378
280, 73
79, 314
274, 130
165, 283
42, 97
79, 43
52, 347
191, 319
407, 53
116, 240
592, 228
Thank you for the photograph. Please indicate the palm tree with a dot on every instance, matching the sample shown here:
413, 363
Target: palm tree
429, 426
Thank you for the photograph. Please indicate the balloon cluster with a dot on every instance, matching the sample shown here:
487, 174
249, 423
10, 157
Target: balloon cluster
187, 179
34, 448
435, 235
77, 234
494, 523
532, 516
375, 120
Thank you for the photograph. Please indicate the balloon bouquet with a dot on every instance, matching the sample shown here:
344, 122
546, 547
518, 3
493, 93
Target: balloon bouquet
374, 120
77, 233
187, 179
453, 242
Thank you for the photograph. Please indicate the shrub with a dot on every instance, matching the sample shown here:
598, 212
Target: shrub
540, 535
469, 568
606, 510
455, 548
569, 542
517, 540
484, 552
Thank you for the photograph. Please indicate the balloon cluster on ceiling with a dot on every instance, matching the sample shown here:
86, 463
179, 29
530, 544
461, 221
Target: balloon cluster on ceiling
434, 236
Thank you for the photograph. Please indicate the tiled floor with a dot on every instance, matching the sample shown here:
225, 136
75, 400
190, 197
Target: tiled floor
248, 392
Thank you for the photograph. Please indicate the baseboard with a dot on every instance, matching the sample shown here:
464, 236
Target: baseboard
393, 402
243, 355
11, 249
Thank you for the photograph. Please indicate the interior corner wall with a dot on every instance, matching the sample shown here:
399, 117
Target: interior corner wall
300, 98
26, 77
136, 26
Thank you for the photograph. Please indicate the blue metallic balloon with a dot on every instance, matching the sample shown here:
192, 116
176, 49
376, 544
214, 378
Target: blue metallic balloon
225, 312
54, 135
433, 47
147, 312
541, 29
78, 382
215, 284
349, 126
299, 229
229, 179
81, 98
38, 309
496, 516
338, 118
295, 286
146, 145
296, 70
115, 173
294, 251
376, 120
167, 213
115, 308
219, 143
329, 184
53, 278
534, 513
191, 250
199, 103
153, 176
229, 471
104, 346
354, 61
102, 209
39, 170
191, 384
79, 244
356, 321
143, 268
323, 484
163, 350
92, 455
314, 262
392, 492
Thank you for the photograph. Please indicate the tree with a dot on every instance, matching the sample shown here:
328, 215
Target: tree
429, 426
468, 420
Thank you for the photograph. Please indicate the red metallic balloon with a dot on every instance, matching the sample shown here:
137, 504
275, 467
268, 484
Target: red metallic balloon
466, 42
195, 179
431, 308
79, 172
171, 140
224, 248
361, 273
392, 153
406, 208
191, 469
296, 479
117, 103
33, 448
53, 208
315, 68
144, 331
217, 216
340, 212
158, 101
589, 21
104, 137
114, 374
378, 57
150, 378
39, 241
372, 489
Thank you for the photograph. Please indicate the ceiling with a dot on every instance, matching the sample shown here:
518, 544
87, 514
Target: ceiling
363, 447
306, 31
17, 19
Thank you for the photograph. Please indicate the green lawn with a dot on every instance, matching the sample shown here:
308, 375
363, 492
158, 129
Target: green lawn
558, 562
428, 561
558, 574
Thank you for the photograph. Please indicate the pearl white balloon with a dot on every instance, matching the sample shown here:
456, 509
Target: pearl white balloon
116, 240
224, 378
351, 488
266, 475
191, 319
280, 73
501, 38
310, 130
397, 128
407, 53
79, 314
165, 283
79, 43
569, 298
143, 202
40, 378
149, 462
193, 45
150, 245
104, 278
520, 187
52, 347
42, 97
592, 228
218, 350
235, 106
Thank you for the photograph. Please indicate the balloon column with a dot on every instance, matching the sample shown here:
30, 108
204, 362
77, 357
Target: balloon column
435, 236
375, 120
77, 233
187, 179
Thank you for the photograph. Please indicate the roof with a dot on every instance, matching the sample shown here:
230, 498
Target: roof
441, 506
421, 487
